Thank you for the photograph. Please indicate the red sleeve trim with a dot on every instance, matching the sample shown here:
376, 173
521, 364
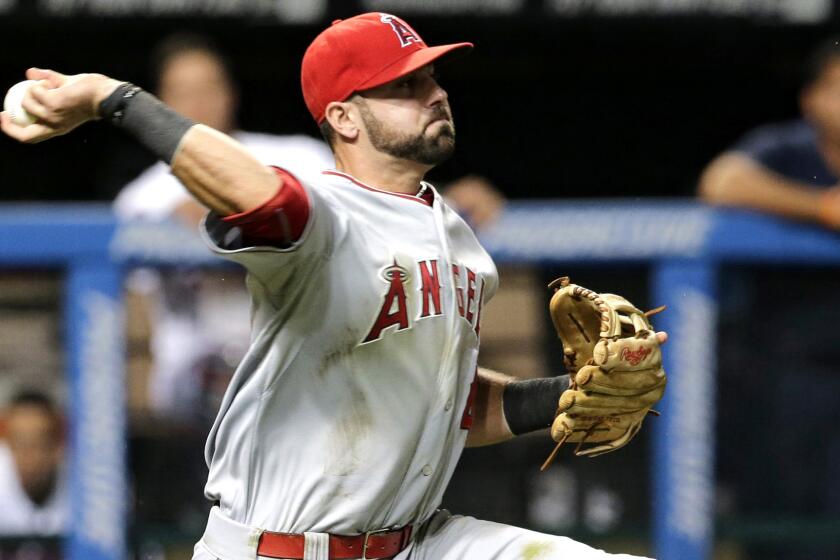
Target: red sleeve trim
280, 221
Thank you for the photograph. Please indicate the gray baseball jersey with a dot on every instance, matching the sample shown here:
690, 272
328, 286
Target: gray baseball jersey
352, 405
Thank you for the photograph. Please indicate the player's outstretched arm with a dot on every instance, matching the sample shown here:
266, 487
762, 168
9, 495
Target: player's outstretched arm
221, 173
216, 169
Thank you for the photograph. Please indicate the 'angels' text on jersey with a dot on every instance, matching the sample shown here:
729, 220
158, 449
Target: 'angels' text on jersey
469, 290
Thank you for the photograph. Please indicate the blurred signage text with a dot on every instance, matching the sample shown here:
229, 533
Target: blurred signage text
791, 11
291, 11
795, 12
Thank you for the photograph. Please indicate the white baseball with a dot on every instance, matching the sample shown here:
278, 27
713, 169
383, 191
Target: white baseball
12, 103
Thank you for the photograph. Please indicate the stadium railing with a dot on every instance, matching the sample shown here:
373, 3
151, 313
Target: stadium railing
683, 243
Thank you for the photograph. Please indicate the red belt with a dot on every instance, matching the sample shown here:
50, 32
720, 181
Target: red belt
376, 544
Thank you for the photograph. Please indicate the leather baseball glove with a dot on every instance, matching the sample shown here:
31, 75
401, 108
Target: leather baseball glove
615, 368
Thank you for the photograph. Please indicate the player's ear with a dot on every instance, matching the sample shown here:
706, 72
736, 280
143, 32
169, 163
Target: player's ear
343, 118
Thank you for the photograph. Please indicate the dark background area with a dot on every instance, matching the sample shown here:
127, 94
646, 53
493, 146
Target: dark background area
544, 107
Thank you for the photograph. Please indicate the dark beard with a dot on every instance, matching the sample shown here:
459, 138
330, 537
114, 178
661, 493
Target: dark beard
420, 148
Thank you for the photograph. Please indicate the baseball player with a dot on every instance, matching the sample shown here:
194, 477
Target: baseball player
344, 422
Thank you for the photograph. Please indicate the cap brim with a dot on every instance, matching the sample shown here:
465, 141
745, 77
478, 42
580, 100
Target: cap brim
411, 62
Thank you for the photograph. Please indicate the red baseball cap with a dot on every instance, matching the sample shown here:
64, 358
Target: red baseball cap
360, 53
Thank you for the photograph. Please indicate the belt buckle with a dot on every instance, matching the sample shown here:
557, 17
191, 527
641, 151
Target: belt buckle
368, 535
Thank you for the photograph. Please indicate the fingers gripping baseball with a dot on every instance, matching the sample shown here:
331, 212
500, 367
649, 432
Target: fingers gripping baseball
59, 104
51, 78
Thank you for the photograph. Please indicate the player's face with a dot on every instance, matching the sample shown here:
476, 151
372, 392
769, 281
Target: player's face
195, 84
410, 118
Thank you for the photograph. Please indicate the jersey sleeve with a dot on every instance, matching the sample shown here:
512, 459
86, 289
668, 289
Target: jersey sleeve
279, 221
267, 261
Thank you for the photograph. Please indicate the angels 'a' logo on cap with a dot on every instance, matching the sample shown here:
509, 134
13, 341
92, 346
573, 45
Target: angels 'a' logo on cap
405, 34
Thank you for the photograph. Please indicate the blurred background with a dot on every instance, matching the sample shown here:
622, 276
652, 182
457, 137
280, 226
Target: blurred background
560, 100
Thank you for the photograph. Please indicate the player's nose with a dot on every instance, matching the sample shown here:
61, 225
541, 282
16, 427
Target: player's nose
436, 94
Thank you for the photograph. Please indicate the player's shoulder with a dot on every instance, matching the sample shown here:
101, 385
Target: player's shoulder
347, 187
328, 182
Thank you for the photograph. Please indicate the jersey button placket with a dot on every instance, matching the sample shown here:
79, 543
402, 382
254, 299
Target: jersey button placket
426, 470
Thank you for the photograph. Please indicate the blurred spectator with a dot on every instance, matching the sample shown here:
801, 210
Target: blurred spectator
790, 169
33, 490
476, 199
193, 77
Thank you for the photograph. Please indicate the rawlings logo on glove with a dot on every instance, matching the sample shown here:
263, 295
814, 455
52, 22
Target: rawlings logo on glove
634, 357
615, 363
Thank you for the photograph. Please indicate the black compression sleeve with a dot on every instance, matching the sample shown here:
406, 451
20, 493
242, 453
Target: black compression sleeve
531, 404
150, 122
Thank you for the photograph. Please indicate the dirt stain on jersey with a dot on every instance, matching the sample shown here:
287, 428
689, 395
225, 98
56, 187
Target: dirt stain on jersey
349, 434
538, 550
341, 351
331, 359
